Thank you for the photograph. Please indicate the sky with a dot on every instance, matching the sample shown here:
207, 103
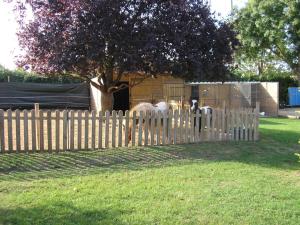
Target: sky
9, 43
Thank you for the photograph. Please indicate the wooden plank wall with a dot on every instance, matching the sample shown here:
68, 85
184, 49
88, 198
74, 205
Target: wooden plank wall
44, 130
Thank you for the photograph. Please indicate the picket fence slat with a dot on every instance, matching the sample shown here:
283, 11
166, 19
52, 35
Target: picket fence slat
158, 127
120, 137
113, 129
170, 121
100, 116
146, 133
72, 130
18, 129
126, 131
41, 131
33, 130
46, 130
107, 119
93, 134
86, 130
65, 130
202, 122
175, 126
49, 130
164, 128
26, 146
181, 115
57, 130
140, 128
152, 130
2, 132
186, 125
9, 130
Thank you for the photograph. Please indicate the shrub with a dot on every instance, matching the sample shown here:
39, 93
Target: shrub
23, 76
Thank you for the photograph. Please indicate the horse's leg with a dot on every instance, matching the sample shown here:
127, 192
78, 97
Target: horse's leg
129, 134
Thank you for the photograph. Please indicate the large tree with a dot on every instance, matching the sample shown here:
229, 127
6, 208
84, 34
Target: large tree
269, 30
110, 39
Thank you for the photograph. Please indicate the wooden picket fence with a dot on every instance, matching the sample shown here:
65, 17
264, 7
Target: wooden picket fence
45, 130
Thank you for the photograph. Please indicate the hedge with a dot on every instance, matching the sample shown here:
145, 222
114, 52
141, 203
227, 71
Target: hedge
22, 76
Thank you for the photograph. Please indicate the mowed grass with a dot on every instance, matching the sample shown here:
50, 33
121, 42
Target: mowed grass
211, 183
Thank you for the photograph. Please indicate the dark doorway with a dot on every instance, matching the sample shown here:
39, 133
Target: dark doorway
195, 92
121, 99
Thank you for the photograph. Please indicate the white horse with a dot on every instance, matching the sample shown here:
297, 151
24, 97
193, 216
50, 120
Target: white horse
163, 107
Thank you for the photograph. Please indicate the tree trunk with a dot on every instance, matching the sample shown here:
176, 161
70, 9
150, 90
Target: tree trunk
107, 101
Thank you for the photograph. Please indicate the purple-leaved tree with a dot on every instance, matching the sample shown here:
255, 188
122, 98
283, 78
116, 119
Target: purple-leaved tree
110, 39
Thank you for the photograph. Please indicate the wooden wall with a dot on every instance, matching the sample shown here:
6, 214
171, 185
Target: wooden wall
235, 95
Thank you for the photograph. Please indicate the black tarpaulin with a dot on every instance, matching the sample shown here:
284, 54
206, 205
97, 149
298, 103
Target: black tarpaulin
60, 96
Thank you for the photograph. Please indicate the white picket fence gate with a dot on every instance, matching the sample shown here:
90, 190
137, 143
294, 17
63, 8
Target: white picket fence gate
45, 130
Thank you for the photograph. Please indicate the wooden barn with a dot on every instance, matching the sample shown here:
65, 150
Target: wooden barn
178, 93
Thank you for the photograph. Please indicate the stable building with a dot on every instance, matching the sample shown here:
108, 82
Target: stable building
178, 93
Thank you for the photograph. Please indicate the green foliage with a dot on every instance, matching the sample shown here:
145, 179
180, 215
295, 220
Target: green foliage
23, 76
298, 155
270, 30
284, 78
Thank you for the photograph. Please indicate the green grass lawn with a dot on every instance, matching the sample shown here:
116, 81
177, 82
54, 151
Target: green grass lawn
215, 183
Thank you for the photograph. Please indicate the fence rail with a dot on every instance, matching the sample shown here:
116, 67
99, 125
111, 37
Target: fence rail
45, 130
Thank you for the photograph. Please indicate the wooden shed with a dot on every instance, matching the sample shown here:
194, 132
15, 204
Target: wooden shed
178, 93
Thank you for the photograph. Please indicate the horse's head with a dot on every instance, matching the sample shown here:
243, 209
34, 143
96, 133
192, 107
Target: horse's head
194, 105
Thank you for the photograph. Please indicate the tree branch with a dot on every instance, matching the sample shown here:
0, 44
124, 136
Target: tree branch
139, 82
115, 89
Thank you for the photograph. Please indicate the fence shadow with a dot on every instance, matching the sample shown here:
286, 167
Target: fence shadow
59, 213
267, 152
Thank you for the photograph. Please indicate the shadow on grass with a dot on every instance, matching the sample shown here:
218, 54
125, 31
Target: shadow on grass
271, 151
59, 213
